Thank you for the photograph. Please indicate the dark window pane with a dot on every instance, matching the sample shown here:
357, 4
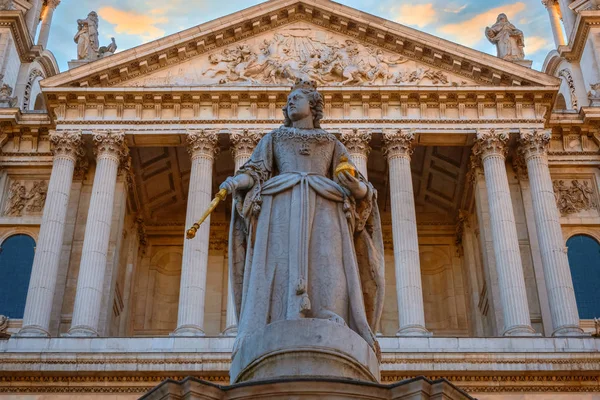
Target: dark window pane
16, 260
584, 259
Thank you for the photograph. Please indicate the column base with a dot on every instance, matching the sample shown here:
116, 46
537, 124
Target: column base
569, 331
188, 330
414, 330
521, 330
230, 331
32, 331
81, 331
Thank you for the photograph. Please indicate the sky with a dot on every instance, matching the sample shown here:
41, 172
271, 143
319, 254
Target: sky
134, 22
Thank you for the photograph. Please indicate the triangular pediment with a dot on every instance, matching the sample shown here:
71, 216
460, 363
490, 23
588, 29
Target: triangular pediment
278, 41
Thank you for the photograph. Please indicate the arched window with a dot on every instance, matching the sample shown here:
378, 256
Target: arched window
39, 103
584, 259
16, 260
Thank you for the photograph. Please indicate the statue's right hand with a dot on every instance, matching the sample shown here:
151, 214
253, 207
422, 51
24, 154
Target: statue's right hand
230, 184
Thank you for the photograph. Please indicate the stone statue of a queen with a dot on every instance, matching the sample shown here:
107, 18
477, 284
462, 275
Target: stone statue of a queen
305, 241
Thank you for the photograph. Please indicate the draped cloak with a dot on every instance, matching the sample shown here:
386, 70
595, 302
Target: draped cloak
300, 246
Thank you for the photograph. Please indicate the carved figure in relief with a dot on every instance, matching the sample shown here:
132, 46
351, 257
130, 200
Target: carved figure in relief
594, 95
575, 198
295, 55
305, 238
37, 197
19, 199
508, 39
4, 327
6, 97
6, 5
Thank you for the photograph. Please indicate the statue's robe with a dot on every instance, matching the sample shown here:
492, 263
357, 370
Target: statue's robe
300, 245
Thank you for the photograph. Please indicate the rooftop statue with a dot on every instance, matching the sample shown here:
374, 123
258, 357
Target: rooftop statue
88, 45
305, 239
508, 39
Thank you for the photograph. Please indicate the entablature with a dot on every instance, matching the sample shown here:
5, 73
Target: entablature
227, 105
586, 20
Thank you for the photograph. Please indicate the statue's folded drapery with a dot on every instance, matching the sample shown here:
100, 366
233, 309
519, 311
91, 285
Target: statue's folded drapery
300, 246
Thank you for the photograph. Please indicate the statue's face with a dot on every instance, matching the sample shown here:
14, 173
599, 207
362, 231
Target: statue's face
298, 105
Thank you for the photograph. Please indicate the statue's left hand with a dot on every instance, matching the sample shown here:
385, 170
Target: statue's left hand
357, 189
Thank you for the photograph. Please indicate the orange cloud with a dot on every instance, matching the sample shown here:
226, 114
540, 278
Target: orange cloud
416, 14
471, 31
535, 43
132, 23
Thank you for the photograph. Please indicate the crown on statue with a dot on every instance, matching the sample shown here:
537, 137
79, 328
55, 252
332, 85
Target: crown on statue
304, 84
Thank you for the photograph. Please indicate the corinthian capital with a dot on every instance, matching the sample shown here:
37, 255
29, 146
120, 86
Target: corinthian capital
398, 143
491, 142
111, 144
533, 142
244, 141
53, 3
203, 143
68, 144
356, 140
548, 3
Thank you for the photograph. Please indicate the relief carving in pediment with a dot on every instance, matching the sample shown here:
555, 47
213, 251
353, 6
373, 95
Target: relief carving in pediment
300, 52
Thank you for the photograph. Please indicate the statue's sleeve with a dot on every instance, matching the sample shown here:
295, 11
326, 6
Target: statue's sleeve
368, 244
246, 206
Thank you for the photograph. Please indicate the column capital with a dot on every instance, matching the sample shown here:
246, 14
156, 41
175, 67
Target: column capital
244, 141
67, 144
356, 140
491, 142
111, 144
533, 142
203, 143
548, 3
53, 4
398, 143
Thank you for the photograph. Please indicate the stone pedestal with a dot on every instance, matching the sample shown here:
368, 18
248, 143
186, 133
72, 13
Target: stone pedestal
304, 348
309, 389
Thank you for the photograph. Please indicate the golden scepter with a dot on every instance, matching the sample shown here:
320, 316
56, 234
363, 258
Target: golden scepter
221, 195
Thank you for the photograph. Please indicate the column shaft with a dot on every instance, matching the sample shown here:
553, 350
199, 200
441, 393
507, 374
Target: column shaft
559, 284
568, 16
47, 23
38, 308
192, 293
409, 290
90, 283
557, 31
515, 309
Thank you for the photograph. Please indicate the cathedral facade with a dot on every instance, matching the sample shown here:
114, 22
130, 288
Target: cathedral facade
486, 174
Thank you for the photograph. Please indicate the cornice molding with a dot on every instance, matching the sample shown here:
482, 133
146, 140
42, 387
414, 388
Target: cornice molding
578, 38
28, 52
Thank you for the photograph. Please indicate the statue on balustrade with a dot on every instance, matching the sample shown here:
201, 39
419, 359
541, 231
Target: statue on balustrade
305, 239
508, 39
88, 44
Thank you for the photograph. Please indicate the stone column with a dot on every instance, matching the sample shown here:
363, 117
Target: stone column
244, 141
111, 151
47, 23
404, 230
67, 148
553, 13
557, 274
568, 16
202, 146
491, 146
357, 143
